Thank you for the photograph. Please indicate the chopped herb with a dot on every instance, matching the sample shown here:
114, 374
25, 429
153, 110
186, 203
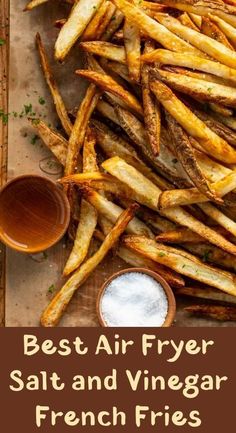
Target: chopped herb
28, 109
2, 42
161, 254
183, 266
51, 288
4, 117
34, 139
35, 121
209, 89
175, 160
113, 18
206, 255
41, 100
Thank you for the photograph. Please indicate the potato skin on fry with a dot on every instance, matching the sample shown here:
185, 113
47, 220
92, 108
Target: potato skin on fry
216, 312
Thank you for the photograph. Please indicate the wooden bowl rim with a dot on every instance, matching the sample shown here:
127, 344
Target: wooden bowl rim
54, 186
166, 287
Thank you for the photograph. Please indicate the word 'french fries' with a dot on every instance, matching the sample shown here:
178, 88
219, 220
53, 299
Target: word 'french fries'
81, 14
58, 101
216, 312
182, 262
212, 143
54, 311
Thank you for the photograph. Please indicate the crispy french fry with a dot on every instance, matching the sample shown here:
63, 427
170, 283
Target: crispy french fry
208, 45
81, 14
113, 26
132, 42
89, 153
52, 315
212, 143
53, 140
112, 211
186, 20
107, 111
108, 84
91, 32
210, 29
197, 19
182, 197
200, 89
205, 293
105, 49
182, 262
153, 29
210, 254
202, 76
79, 130
186, 156
228, 121
212, 169
189, 61
58, 101
120, 70
219, 217
227, 29
152, 114
33, 4
203, 8
216, 312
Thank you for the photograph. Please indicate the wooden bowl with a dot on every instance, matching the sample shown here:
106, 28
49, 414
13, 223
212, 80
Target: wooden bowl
34, 213
168, 291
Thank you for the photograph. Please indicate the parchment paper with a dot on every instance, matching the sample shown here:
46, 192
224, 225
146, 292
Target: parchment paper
29, 278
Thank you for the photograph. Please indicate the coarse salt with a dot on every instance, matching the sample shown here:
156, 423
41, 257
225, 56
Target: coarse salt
134, 299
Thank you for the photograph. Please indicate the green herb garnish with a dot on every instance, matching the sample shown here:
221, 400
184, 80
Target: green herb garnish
51, 289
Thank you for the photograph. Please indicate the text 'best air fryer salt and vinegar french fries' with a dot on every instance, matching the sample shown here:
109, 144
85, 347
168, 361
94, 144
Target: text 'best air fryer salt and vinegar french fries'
156, 127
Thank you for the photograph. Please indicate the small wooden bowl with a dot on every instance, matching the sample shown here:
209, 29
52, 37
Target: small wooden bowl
169, 294
34, 213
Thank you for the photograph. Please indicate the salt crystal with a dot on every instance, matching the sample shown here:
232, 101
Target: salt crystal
134, 299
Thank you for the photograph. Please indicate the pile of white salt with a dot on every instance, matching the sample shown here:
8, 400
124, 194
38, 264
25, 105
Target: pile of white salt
134, 299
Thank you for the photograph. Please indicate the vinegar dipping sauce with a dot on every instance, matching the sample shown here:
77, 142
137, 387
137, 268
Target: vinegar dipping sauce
134, 299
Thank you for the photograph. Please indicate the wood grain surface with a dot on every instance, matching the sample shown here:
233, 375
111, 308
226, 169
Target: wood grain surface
4, 56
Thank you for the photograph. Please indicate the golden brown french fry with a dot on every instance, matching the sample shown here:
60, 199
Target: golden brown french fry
91, 32
182, 262
205, 293
81, 14
77, 137
33, 4
213, 170
197, 19
112, 211
211, 254
200, 89
120, 70
228, 121
186, 20
149, 194
219, 217
84, 234
107, 111
166, 57
132, 42
186, 156
220, 109
212, 143
53, 140
203, 8
105, 49
216, 312
113, 26
153, 29
52, 315
152, 114
227, 29
58, 101
210, 29
208, 45
179, 236
182, 197
59, 23
89, 153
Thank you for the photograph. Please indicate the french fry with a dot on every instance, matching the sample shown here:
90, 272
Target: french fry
208, 45
77, 136
186, 156
203, 8
183, 263
58, 101
152, 114
227, 121
107, 111
200, 89
210, 29
219, 217
113, 26
112, 211
120, 70
108, 84
227, 29
205, 293
91, 32
33, 4
81, 14
186, 20
52, 315
105, 49
211, 254
212, 143
102, 29
53, 140
132, 42
197, 19
153, 29
213, 170
215, 312
182, 197
166, 57
179, 236
89, 153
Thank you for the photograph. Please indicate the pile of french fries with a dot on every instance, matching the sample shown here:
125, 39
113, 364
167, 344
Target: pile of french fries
155, 136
